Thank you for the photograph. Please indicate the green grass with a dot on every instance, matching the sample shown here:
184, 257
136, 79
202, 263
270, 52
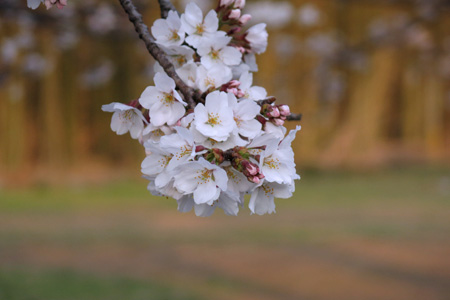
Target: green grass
395, 207
69, 285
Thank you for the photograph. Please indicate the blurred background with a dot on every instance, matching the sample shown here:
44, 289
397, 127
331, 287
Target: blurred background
371, 215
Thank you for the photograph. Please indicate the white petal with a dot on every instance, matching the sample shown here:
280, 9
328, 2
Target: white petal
211, 22
231, 56
164, 83
204, 210
149, 96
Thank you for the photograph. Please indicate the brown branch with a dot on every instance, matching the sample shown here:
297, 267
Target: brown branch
166, 6
294, 117
190, 96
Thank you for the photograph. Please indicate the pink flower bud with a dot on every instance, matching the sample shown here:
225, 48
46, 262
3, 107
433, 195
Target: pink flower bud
254, 179
235, 14
244, 19
284, 110
251, 168
273, 112
277, 122
233, 91
239, 3
234, 83
199, 148
240, 94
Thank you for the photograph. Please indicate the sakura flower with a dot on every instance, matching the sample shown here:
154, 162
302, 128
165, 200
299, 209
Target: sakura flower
125, 118
244, 113
163, 101
277, 161
262, 198
197, 28
168, 32
188, 73
179, 55
154, 133
168, 190
257, 37
215, 118
155, 163
249, 91
180, 145
216, 52
212, 78
203, 179
237, 182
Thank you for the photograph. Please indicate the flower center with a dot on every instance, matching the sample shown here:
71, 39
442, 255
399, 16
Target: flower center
214, 54
164, 160
126, 116
267, 189
272, 163
204, 176
174, 36
180, 59
238, 121
200, 29
209, 82
167, 99
184, 150
213, 119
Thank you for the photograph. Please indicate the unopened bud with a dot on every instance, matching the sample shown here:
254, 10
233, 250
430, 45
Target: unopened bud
218, 155
233, 91
273, 112
284, 110
234, 30
240, 94
261, 119
199, 148
244, 19
254, 179
235, 14
251, 168
234, 83
278, 122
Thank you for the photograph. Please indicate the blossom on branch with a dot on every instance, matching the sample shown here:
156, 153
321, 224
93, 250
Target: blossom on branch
210, 136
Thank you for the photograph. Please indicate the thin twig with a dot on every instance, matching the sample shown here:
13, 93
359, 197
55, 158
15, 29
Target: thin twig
294, 117
190, 96
166, 6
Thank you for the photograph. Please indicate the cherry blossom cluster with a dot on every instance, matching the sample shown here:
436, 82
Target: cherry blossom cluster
232, 142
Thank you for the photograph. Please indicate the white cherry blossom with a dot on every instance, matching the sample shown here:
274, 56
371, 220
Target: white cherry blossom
251, 92
277, 161
262, 198
198, 29
244, 113
212, 78
179, 55
125, 118
201, 178
168, 32
257, 37
180, 145
216, 51
163, 101
215, 118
